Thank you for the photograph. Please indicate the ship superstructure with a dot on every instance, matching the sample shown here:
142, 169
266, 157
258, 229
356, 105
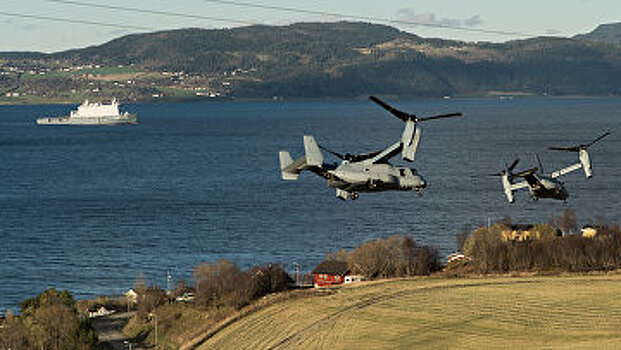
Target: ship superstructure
96, 113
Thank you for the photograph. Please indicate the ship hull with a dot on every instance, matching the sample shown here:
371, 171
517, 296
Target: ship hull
100, 120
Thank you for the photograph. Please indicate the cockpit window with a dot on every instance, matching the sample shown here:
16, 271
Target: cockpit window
402, 172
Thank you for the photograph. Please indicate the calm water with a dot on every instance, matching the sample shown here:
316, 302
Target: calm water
89, 208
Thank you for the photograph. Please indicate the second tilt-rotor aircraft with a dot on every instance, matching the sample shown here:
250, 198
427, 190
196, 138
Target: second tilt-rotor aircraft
369, 172
546, 186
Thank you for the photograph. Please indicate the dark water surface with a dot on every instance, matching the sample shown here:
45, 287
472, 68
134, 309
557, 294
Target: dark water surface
88, 208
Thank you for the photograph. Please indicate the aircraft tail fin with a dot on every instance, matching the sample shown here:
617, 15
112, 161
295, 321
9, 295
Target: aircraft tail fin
312, 151
290, 169
312, 160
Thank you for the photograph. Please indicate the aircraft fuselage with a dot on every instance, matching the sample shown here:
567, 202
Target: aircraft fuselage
545, 187
369, 177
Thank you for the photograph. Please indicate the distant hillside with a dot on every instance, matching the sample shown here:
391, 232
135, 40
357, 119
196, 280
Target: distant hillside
19, 55
608, 33
342, 59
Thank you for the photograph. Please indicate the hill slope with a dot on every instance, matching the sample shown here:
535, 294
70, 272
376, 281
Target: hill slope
556, 312
608, 33
342, 59
351, 59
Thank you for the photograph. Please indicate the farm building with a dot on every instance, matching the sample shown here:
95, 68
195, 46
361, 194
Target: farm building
330, 272
590, 231
524, 232
354, 278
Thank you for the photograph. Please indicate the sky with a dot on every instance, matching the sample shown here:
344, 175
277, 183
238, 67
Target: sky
57, 25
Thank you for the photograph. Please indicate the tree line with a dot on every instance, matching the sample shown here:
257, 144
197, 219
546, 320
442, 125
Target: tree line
488, 251
48, 321
395, 256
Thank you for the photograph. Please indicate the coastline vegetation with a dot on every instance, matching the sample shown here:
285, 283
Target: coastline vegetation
223, 294
48, 321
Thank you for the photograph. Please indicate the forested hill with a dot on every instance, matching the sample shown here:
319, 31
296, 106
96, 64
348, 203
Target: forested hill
346, 59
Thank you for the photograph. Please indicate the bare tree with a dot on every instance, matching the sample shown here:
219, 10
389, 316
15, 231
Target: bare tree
461, 237
13, 334
566, 222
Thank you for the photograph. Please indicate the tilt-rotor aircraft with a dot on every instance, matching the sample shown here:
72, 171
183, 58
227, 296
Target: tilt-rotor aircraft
546, 186
369, 172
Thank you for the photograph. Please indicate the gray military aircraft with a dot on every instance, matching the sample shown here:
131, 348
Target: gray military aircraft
546, 186
369, 172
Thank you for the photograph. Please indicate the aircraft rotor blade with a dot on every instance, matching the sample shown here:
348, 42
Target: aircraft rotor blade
539, 163
515, 162
397, 113
597, 139
568, 149
579, 147
449, 115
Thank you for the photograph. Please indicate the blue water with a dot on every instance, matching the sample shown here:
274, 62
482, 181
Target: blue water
89, 208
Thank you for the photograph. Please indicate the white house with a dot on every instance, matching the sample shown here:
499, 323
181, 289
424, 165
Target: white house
131, 296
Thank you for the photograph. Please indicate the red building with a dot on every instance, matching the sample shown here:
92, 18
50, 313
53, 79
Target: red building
330, 272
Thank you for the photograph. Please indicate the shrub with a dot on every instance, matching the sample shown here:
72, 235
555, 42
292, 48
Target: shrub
395, 256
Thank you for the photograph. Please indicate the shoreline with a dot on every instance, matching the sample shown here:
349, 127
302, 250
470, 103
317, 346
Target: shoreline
234, 100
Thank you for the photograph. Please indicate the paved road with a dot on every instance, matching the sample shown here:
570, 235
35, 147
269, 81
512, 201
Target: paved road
109, 329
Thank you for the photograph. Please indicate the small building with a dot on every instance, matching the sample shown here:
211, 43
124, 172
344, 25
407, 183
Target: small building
131, 296
519, 232
329, 273
98, 312
526, 232
456, 257
354, 278
185, 297
590, 231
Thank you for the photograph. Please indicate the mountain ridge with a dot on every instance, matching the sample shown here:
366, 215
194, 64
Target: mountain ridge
346, 59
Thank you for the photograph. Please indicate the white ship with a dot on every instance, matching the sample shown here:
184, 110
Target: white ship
97, 113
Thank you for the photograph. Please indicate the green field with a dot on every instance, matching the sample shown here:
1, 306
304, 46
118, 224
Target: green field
492, 312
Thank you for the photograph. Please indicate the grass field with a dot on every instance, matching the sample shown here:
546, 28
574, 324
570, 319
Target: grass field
491, 312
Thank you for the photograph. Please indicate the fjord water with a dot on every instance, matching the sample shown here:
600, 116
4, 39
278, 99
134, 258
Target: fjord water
88, 208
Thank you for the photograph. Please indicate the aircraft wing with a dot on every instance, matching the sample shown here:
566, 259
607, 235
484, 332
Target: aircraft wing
388, 153
518, 185
566, 170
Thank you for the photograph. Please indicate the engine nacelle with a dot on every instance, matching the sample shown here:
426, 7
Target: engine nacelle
585, 160
410, 140
506, 184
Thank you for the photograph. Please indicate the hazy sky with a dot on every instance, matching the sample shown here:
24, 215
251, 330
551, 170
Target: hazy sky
30, 25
